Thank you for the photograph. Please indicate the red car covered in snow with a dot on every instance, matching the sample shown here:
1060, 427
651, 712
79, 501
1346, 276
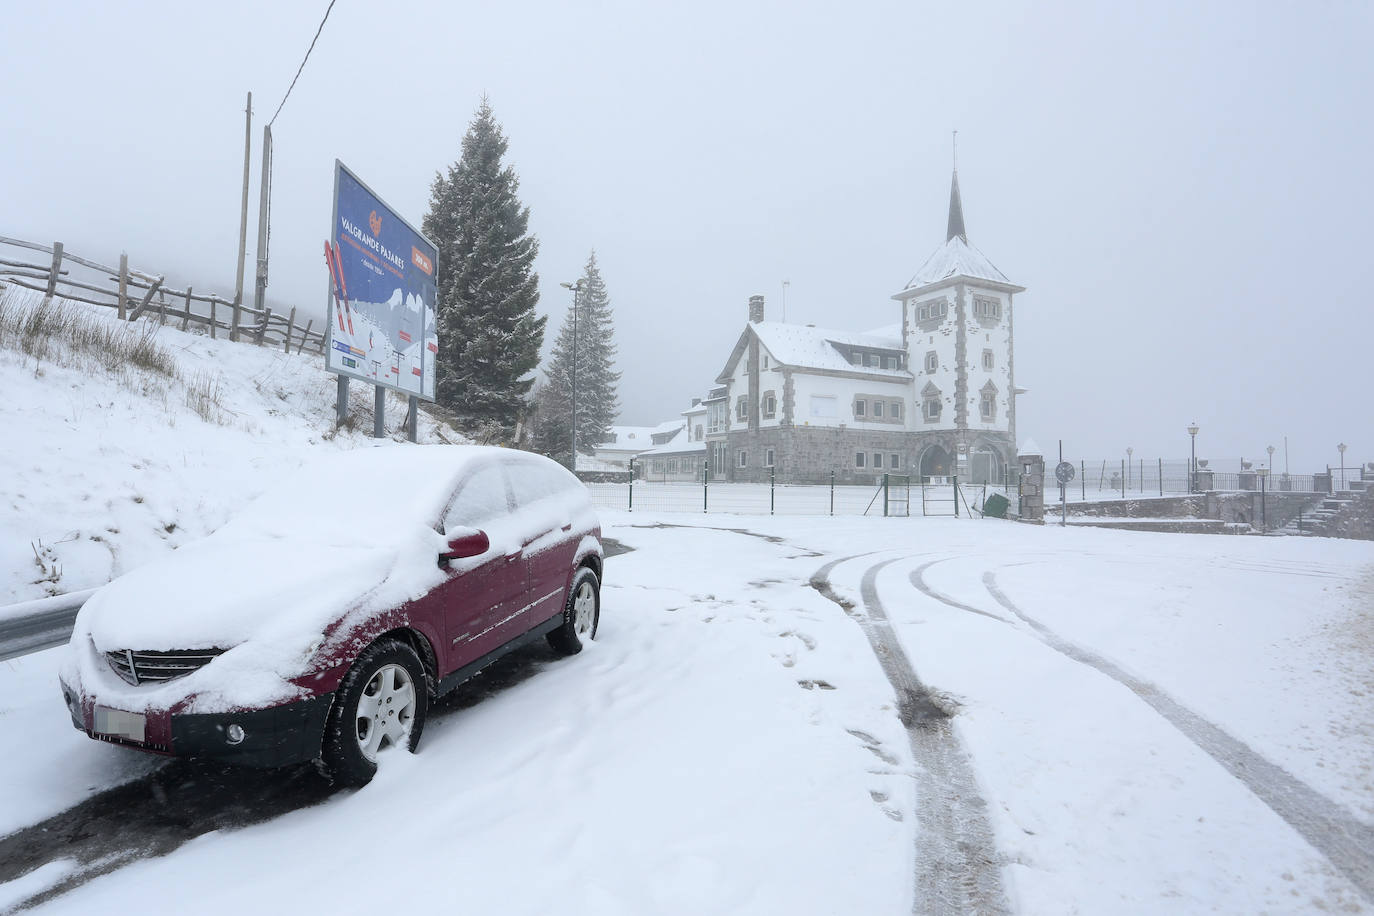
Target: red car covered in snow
320, 622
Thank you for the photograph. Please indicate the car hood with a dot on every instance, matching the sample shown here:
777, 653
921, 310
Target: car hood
266, 600
220, 594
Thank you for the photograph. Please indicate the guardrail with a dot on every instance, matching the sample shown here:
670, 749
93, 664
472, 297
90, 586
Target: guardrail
34, 625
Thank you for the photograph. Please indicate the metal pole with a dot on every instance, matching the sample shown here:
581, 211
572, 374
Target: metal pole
632, 482
413, 418
1083, 480
577, 287
956, 495
1192, 462
772, 477
956, 507
341, 401
1264, 506
832, 492
704, 486
260, 285
1124, 471
243, 217
379, 413
1161, 476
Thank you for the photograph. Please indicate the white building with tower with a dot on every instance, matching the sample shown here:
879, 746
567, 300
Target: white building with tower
931, 396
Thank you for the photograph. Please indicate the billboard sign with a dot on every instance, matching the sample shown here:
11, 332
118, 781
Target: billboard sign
382, 273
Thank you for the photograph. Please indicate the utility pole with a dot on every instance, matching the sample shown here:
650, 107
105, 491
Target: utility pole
576, 290
243, 218
260, 287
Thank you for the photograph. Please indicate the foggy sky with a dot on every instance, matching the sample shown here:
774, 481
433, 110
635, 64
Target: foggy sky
1185, 192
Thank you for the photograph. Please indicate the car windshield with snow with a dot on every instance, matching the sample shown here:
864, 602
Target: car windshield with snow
322, 620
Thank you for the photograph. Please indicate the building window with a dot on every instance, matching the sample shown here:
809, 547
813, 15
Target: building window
741, 408
877, 409
987, 308
896, 410
860, 459
873, 360
824, 405
770, 405
877, 460
743, 458
672, 465
697, 433
987, 406
765, 362
857, 359
768, 457
987, 359
894, 461
891, 362
931, 310
860, 407
932, 361
932, 409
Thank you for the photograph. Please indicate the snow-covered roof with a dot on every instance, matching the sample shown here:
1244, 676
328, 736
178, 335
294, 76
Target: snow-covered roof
957, 258
629, 438
1029, 447
678, 445
806, 347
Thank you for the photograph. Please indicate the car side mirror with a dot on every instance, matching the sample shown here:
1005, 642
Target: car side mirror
468, 543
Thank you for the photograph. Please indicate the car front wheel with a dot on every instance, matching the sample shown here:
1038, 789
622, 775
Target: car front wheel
581, 614
380, 704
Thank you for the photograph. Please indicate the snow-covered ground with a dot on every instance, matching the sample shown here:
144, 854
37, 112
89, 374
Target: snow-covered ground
779, 715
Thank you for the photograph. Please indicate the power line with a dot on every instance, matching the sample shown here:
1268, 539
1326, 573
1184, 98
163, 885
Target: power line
302, 66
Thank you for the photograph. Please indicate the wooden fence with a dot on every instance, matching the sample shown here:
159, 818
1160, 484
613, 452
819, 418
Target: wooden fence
136, 293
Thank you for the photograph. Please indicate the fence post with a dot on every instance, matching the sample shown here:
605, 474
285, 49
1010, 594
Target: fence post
632, 484
1161, 476
956, 495
214, 327
1264, 507
832, 492
56, 268
1083, 481
234, 322
772, 474
290, 326
186, 316
305, 336
704, 486
1123, 478
884, 495
123, 284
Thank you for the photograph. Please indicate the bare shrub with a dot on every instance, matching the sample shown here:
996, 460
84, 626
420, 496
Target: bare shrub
203, 395
62, 332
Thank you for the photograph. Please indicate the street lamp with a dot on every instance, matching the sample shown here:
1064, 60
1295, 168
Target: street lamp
576, 289
1341, 448
1192, 460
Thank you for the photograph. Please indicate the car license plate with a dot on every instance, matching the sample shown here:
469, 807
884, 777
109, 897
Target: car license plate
118, 723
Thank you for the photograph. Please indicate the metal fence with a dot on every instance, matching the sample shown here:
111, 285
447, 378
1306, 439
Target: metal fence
894, 496
1136, 477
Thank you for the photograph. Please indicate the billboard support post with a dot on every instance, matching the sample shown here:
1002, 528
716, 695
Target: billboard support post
265, 186
341, 402
413, 418
379, 412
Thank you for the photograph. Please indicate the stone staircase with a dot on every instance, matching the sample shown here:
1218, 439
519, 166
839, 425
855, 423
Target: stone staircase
1342, 514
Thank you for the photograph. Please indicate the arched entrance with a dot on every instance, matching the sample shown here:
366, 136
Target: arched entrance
985, 465
936, 462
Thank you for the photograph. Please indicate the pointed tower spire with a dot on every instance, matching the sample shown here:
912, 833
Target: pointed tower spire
956, 206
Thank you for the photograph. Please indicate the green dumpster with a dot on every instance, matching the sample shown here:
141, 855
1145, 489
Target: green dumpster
996, 506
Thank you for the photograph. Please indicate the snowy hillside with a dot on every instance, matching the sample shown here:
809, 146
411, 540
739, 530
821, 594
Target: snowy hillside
104, 470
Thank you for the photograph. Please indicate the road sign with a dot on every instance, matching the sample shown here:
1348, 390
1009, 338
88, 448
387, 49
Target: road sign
1063, 472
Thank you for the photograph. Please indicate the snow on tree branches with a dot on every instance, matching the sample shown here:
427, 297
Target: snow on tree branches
489, 334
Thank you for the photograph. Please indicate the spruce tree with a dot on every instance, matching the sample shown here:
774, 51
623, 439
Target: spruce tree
489, 334
598, 403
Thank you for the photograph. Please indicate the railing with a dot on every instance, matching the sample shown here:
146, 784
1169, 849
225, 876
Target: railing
136, 293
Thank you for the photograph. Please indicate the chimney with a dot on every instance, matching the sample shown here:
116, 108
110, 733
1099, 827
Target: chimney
755, 309
696, 401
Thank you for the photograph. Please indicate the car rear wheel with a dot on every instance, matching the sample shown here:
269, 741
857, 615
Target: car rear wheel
380, 704
581, 614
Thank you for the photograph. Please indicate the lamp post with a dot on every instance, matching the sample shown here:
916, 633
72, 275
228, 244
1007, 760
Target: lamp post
576, 289
1192, 460
1341, 448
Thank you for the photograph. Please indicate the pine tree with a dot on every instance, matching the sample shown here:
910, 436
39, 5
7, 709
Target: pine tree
598, 403
489, 334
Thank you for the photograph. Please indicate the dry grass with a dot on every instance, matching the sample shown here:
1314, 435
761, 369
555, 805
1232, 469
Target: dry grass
62, 333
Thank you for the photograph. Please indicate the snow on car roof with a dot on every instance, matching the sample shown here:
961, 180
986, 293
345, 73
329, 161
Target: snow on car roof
366, 490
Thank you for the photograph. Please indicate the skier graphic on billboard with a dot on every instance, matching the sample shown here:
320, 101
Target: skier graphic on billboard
382, 281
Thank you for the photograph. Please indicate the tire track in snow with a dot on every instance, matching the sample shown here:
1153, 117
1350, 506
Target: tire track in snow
1347, 843
957, 867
